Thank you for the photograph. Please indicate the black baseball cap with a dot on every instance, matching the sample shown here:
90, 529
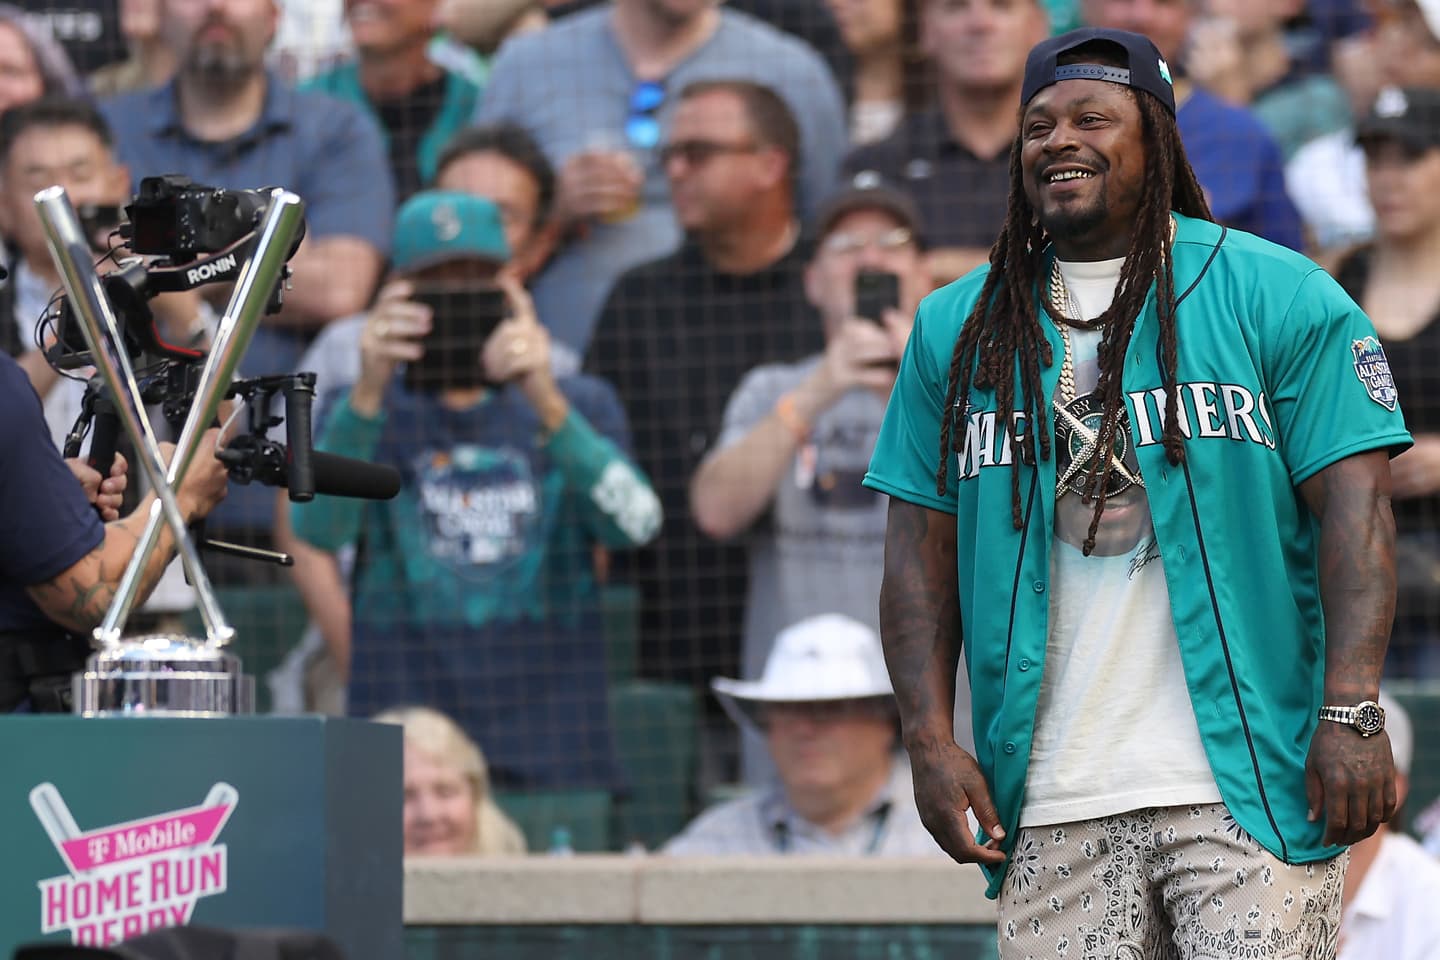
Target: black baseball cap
868, 190
1146, 69
1409, 116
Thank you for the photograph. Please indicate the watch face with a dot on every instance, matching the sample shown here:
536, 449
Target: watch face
1369, 718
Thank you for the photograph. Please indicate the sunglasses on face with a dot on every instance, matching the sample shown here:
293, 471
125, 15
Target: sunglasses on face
697, 153
843, 243
642, 127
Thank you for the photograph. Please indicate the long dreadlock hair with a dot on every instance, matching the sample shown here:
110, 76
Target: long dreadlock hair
1005, 325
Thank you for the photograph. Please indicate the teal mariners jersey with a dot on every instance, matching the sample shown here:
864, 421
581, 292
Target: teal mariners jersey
1280, 374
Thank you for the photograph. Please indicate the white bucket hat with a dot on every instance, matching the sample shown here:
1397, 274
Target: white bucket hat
829, 657
1430, 10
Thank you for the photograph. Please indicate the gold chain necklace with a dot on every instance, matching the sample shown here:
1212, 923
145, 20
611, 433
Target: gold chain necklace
1063, 305
1066, 311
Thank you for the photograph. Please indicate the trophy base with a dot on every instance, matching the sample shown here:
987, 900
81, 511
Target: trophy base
166, 676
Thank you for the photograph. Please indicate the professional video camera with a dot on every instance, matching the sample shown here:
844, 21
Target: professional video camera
182, 236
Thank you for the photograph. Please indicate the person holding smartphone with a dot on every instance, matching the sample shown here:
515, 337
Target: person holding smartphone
796, 438
474, 589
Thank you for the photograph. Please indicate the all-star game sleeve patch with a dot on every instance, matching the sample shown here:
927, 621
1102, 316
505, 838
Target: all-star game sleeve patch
1374, 371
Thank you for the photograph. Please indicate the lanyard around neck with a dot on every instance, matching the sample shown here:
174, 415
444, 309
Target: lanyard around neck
783, 840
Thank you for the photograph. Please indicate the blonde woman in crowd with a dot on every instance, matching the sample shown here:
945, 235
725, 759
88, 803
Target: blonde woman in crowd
448, 807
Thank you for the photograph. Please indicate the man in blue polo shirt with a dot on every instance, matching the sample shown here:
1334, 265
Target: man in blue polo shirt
224, 121
1143, 470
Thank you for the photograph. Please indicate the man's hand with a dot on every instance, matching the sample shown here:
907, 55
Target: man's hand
597, 184
78, 597
106, 493
948, 782
1351, 780
519, 352
205, 482
859, 354
392, 334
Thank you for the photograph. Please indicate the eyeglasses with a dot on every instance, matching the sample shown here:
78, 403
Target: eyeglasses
843, 243
642, 127
697, 153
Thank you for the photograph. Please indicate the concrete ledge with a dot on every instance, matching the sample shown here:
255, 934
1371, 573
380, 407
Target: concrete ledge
680, 891
811, 890
475, 890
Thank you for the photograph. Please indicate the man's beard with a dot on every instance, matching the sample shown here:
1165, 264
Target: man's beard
1073, 222
675, 19
220, 66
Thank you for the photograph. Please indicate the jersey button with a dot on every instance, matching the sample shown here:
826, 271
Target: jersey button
1024, 663
1039, 586
1009, 746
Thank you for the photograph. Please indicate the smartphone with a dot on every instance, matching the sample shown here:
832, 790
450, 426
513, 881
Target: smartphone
460, 323
875, 292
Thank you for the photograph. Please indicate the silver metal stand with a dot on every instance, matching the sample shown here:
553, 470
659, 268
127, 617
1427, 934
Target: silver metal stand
166, 674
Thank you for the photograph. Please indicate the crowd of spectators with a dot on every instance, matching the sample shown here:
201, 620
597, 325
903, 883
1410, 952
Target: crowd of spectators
644, 227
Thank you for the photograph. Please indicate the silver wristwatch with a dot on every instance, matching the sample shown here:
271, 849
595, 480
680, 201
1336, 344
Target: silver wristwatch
1367, 717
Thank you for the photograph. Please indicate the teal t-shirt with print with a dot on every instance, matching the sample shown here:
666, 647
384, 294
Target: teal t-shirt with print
1280, 375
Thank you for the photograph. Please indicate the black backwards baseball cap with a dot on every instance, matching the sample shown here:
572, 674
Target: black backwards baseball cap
868, 190
1409, 116
1146, 69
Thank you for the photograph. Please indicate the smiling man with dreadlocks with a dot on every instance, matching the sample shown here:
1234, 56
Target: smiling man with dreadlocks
1160, 522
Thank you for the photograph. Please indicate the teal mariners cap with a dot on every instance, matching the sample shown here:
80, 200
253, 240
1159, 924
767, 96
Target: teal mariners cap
434, 226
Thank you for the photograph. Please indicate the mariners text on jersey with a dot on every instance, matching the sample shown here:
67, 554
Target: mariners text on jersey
1227, 411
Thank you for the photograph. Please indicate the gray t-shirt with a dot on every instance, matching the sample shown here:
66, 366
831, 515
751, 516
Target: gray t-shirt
570, 86
821, 546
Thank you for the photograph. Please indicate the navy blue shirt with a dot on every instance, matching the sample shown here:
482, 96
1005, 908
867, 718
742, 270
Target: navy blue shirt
1240, 167
46, 524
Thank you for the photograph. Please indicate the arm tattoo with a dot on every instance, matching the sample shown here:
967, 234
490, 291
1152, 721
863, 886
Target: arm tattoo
1357, 573
920, 617
80, 596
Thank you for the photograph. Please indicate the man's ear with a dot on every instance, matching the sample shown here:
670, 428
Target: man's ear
813, 285
119, 185
925, 44
531, 258
7, 224
776, 165
274, 18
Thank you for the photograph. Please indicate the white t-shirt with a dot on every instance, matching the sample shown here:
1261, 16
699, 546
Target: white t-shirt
1393, 914
1114, 728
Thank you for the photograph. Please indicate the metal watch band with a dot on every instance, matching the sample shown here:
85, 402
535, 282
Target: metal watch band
1367, 717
